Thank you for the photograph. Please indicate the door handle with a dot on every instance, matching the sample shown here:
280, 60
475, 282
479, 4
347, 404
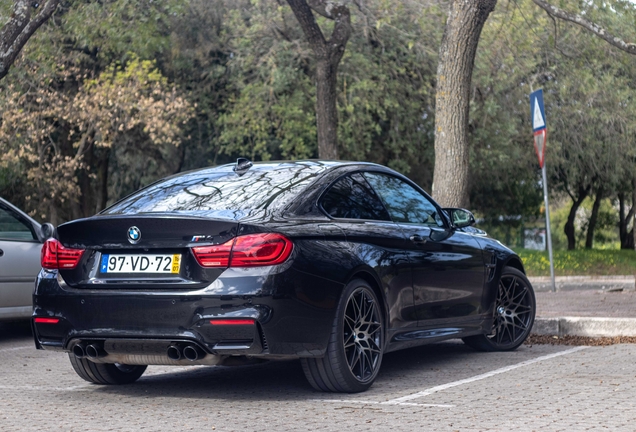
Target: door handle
417, 239
1, 252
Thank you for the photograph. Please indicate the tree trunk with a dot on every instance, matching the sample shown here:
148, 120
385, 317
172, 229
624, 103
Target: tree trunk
621, 218
624, 235
53, 218
568, 229
633, 236
87, 198
16, 32
589, 240
634, 211
454, 73
326, 110
328, 55
102, 182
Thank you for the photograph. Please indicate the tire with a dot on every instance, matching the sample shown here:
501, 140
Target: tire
106, 373
513, 315
356, 344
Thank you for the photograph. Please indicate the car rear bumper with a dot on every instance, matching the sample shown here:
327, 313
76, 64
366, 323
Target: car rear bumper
292, 315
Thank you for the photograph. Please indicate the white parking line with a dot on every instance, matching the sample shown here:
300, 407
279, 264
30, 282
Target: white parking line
47, 388
403, 399
363, 402
17, 348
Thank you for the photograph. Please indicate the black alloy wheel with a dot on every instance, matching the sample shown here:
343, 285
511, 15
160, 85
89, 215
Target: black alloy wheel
513, 314
355, 349
106, 373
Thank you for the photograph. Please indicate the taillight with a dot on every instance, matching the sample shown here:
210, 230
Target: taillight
47, 320
214, 256
260, 250
232, 321
55, 256
246, 251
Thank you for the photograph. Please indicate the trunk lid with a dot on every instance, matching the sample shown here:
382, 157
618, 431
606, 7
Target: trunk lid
143, 251
155, 231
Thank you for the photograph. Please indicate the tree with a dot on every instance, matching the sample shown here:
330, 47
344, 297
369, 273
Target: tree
67, 61
589, 237
63, 142
466, 19
328, 53
19, 28
262, 74
457, 53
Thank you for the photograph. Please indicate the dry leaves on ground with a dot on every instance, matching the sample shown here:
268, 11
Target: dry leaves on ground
578, 340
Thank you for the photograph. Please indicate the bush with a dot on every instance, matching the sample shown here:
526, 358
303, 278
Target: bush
580, 262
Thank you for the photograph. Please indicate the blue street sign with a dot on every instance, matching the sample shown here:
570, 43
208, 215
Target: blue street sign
537, 112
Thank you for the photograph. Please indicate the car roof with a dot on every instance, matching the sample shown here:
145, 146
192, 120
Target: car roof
317, 164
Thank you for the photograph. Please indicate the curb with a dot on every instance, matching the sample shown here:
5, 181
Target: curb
571, 283
584, 326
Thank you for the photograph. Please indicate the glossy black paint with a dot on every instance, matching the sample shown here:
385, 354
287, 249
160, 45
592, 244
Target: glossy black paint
434, 282
448, 274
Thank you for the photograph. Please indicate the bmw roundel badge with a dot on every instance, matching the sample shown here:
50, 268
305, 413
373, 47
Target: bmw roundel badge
134, 235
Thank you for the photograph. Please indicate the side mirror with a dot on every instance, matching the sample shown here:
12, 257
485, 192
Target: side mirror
47, 231
461, 217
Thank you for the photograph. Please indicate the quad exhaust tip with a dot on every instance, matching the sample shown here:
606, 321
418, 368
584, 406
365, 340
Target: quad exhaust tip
174, 352
79, 351
94, 351
88, 350
193, 352
189, 352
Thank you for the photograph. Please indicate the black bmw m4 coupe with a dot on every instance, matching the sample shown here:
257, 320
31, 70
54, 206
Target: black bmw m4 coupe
332, 263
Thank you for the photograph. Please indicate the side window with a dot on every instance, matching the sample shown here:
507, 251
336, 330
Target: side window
352, 198
12, 228
404, 203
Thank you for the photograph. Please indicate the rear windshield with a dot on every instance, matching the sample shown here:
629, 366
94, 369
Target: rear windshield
263, 187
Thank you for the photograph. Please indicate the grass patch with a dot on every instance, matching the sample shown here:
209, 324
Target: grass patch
582, 262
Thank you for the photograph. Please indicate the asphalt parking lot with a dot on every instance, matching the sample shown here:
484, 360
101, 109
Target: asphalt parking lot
445, 386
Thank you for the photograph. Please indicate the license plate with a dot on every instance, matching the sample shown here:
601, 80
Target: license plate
112, 263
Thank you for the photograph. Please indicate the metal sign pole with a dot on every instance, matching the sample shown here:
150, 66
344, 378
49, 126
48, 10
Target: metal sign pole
547, 225
539, 130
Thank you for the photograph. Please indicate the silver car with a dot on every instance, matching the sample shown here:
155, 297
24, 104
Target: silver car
21, 240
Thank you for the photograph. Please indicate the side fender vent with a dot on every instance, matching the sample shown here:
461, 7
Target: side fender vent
491, 268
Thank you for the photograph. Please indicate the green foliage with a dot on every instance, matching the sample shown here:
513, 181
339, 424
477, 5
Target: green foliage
605, 234
504, 170
247, 72
112, 29
385, 95
96, 108
386, 99
589, 97
579, 262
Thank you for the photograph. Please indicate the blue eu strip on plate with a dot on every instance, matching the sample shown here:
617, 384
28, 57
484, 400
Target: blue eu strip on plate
104, 267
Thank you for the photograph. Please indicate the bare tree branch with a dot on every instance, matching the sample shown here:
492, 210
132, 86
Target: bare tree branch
588, 25
333, 48
308, 23
20, 27
341, 31
323, 7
